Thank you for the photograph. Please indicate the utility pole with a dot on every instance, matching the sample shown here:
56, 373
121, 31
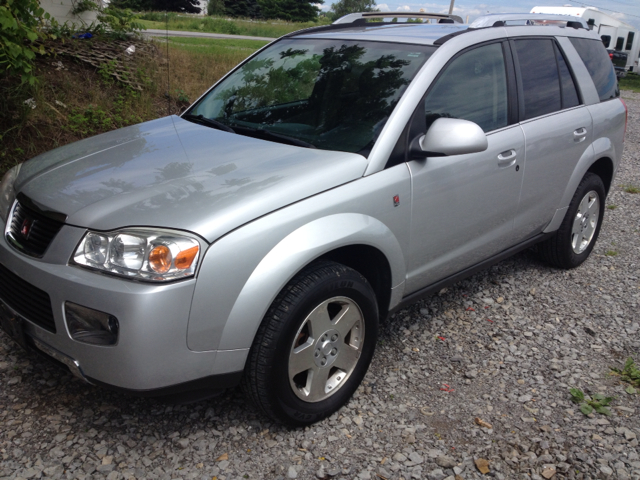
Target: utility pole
451, 7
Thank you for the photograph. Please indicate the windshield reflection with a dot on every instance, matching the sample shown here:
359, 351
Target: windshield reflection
331, 94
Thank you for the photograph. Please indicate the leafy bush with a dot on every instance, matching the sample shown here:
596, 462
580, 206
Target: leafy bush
20, 26
120, 22
81, 6
215, 7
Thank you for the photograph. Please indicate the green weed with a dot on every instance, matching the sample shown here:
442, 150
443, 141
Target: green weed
612, 207
588, 404
611, 253
630, 188
630, 374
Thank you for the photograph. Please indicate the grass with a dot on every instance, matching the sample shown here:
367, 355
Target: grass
79, 101
612, 207
611, 253
630, 188
197, 63
254, 28
630, 82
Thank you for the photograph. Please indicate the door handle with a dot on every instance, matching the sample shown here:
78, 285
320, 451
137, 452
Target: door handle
580, 135
507, 158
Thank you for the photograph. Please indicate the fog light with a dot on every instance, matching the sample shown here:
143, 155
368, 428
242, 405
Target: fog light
91, 326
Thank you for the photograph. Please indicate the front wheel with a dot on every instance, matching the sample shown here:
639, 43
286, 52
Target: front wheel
314, 345
577, 235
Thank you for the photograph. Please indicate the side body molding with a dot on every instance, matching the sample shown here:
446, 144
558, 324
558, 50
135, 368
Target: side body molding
300, 248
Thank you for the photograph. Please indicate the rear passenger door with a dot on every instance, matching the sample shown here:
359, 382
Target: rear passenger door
556, 126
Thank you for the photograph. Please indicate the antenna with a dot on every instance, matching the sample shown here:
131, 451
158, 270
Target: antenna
166, 20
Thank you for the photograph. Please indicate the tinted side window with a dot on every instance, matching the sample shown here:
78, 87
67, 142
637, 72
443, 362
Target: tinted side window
539, 73
606, 40
619, 43
472, 87
569, 92
629, 41
599, 65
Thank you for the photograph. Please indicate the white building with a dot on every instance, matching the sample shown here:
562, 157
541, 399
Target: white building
61, 11
614, 33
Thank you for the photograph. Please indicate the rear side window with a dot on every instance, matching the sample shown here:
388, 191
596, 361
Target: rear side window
599, 66
629, 41
539, 75
620, 43
606, 40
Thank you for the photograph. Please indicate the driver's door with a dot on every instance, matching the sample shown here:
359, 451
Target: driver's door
463, 206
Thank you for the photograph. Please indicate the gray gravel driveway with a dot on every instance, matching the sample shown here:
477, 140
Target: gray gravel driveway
501, 349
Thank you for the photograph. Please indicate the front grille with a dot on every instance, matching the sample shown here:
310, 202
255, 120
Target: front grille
29, 301
32, 232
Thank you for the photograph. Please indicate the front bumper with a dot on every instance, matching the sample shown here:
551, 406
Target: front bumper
151, 354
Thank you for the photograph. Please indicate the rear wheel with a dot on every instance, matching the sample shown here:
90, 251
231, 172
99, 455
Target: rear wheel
314, 345
577, 235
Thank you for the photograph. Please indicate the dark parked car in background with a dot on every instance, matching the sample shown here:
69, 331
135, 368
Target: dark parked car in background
619, 60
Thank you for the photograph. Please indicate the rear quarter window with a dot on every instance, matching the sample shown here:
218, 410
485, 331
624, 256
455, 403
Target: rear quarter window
599, 66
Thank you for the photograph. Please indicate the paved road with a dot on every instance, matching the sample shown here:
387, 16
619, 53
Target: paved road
151, 32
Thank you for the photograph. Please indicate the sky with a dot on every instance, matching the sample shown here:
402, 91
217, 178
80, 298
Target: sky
626, 10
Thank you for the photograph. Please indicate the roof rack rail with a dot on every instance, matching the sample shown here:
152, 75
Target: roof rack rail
519, 19
360, 18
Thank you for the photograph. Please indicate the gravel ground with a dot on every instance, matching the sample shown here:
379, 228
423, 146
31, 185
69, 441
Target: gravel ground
503, 347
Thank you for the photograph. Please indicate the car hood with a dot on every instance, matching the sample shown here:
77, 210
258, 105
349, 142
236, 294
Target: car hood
173, 173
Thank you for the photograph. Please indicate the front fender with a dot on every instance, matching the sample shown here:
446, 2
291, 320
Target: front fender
294, 252
242, 272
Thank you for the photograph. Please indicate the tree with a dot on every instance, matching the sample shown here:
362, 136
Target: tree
215, 7
243, 8
345, 7
291, 10
185, 6
135, 5
20, 26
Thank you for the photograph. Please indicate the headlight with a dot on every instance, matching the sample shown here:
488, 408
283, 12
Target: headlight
7, 193
151, 255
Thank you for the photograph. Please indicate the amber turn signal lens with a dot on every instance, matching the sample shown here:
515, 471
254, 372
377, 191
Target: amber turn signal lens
185, 258
160, 259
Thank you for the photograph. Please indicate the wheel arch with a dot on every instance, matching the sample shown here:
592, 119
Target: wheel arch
372, 264
598, 160
603, 167
355, 240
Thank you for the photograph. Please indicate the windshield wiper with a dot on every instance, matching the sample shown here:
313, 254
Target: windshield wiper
209, 122
269, 135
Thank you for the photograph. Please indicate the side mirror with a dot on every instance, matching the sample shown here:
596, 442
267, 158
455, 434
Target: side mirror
450, 136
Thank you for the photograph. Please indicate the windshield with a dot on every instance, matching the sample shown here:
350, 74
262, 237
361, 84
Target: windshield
328, 94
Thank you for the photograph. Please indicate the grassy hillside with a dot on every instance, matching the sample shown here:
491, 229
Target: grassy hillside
630, 82
266, 28
73, 101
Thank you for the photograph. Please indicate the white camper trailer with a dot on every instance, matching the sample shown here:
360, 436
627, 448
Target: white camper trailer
615, 34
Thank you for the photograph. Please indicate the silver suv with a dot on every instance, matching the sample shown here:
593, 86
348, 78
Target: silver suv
337, 175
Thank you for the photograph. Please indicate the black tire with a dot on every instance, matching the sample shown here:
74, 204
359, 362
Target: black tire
268, 380
559, 250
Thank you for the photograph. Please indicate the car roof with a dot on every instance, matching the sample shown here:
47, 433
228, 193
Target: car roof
418, 33
356, 27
